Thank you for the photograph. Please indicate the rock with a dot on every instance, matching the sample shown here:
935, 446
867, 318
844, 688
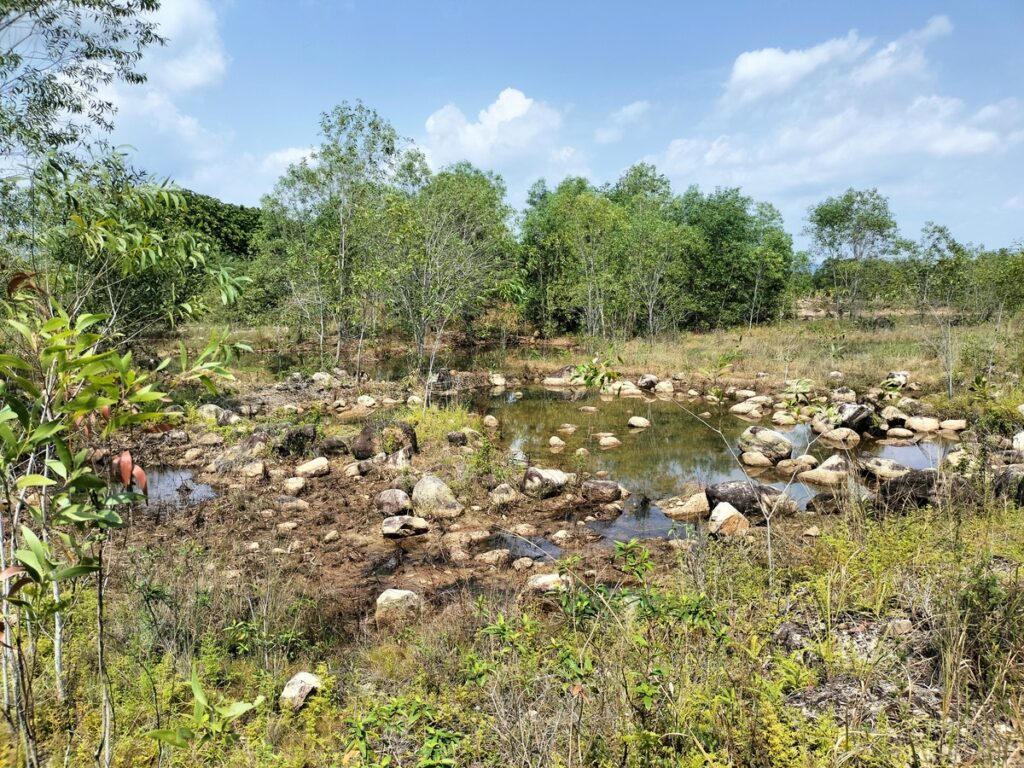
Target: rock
638, 422
1008, 483
755, 459
393, 501
556, 442
504, 495
253, 470
497, 380
609, 441
491, 422
496, 558
397, 606
287, 526
458, 439
881, 469
333, 446
727, 521
834, 471
366, 401
414, 400
299, 688
647, 381
290, 504
767, 442
843, 395
857, 417
913, 489
1018, 442
893, 416
783, 419
567, 429
922, 424
897, 379
751, 498
811, 533
387, 437
433, 498
322, 380
543, 483
835, 377
899, 433
210, 439
1020, 410
523, 564
807, 460
588, 409
748, 410
664, 387
331, 535
547, 582
953, 425
317, 467
842, 437
582, 452
209, 411
744, 394
601, 491
900, 627
403, 526
691, 510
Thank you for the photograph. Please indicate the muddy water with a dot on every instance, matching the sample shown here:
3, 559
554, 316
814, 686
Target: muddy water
175, 488
655, 463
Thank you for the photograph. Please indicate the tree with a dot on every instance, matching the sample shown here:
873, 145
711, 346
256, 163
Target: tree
109, 240
55, 57
448, 249
847, 231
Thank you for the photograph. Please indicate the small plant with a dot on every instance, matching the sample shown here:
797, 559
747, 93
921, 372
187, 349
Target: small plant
599, 371
209, 722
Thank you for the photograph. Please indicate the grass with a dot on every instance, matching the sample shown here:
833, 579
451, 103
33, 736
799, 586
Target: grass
667, 665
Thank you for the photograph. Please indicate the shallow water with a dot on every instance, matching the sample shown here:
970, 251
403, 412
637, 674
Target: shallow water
174, 487
656, 462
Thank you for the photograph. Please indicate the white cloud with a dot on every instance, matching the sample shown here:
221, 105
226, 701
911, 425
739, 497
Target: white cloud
194, 56
771, 71
514, 124
619, 120
277, 162
832, 131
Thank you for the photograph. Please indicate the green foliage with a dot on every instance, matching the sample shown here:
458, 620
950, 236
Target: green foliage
209, 722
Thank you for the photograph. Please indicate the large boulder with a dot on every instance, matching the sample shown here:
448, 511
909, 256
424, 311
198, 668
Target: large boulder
842, 437
767, 442
688, 510
881, 469
384, 437
433, 498
542, 483
750, 498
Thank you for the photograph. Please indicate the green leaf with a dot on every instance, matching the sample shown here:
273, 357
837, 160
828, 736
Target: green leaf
178, 737
34, 481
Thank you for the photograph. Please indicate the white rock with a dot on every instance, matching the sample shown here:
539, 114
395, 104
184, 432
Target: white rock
547, 582
317, 467
922, 424
298, 689
609, 441
638, 422
397, 605
556, 442
726, 520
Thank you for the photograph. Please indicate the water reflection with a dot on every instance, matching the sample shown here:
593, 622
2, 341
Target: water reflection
655, 463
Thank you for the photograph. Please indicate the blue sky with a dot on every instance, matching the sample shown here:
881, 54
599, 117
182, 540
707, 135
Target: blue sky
792, 101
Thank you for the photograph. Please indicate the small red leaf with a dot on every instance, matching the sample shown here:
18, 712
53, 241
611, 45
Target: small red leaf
10, 572
123, 465
140, 477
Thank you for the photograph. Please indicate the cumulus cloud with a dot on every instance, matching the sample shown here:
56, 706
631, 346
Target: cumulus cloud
194, 56
619, 120
771, 71
514, 124
838, 124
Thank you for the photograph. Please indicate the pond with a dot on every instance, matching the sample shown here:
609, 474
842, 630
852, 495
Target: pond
656, 462
176, 488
